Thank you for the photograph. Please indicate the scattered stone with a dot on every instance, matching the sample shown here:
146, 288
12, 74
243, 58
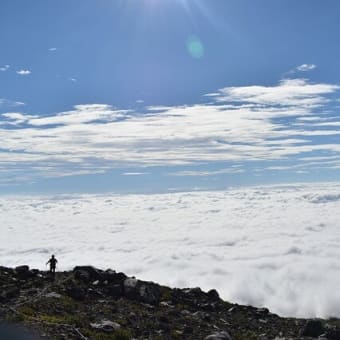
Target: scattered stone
106, 326
219, 336
232, 309
53, 295
185, 312
136, 305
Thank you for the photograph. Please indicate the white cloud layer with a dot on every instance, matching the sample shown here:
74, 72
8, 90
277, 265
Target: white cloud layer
277, 247
250, 123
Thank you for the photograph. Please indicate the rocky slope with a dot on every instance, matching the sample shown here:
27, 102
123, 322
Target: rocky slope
88, 303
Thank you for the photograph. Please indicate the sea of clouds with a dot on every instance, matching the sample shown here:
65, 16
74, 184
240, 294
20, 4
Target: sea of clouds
274, 246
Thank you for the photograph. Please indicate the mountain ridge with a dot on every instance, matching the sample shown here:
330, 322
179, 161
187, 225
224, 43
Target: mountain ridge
90, 303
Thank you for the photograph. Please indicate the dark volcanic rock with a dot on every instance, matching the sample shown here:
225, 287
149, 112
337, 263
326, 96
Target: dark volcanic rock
112, 277
115, 290
147, 292
82, 275
333, 334
131, 288
89, 303
87, 273
9, 293
213, 295
76, 292
23, 272
150, 292
22, 269
313, 328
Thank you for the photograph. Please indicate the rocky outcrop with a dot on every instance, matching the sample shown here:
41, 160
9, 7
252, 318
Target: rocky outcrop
89, 303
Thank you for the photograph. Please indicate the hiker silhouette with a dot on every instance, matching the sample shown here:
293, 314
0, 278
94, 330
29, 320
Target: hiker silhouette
53, 263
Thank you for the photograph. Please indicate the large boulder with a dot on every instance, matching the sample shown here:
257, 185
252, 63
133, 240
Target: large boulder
112, 277
87, 273
150, 293
23, 272
196, 298
22, 269
313, 328
147, 292
213, 295
130, 288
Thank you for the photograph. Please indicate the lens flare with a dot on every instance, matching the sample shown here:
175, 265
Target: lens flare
195, 47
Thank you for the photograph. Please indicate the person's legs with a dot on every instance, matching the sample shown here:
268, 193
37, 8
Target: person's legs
53, 272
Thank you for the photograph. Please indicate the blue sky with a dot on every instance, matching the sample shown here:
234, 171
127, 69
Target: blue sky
159, 95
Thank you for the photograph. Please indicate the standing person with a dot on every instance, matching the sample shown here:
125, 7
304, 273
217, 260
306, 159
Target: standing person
53, 263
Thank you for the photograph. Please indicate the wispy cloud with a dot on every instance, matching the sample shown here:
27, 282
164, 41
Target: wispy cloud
8, 102
299, 69
52, 49
238, 124
306, 67
80, 115
23, 72
4, 68
231, 170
